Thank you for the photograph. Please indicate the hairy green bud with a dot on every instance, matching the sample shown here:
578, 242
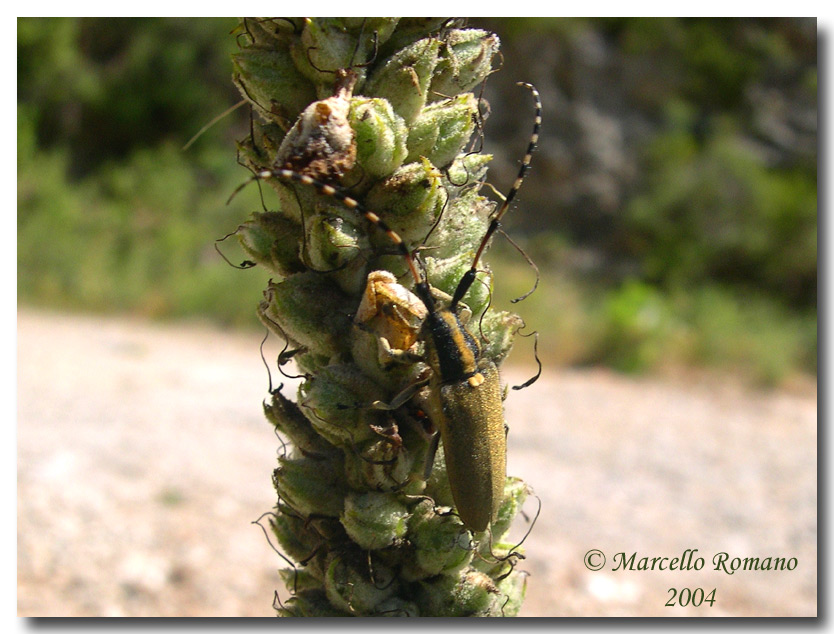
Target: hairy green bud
444, 274
334, 242
461, 227
465, 170
465, 61
499, 329
271, 240
310, 602
440, 544
471, 593
337, 401
442, 130
374, 520
380, 136
297, 538
410, 30
379, 465
358, 588
309, 310
270, 81
413, 197
405, 77
311, 487
288, 419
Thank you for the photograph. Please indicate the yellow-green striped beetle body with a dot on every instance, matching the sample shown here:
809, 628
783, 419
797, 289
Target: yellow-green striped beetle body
469, 415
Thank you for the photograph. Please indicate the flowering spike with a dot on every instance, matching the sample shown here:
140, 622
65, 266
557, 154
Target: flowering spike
364, 132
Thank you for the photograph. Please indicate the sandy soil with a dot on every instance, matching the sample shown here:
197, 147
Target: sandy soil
143, 457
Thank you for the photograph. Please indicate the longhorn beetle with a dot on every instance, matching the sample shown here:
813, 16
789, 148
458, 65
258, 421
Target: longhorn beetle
465, 400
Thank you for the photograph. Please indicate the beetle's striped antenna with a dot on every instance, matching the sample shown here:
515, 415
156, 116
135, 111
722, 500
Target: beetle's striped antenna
495, 223
421, 285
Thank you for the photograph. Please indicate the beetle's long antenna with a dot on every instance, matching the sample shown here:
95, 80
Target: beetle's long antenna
495, 223
421, 285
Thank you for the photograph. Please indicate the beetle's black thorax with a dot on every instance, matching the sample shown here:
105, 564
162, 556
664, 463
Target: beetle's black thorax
453, 351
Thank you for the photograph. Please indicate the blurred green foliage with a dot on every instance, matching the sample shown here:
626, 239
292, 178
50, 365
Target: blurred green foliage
714, 211
710, 255
112, 214
710, 258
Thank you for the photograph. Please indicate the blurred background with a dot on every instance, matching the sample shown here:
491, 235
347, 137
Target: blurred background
671, 210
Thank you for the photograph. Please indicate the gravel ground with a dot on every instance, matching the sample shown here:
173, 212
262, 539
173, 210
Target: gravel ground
143, 457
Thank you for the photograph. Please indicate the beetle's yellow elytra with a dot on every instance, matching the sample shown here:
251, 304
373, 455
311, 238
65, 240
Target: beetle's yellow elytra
475, 444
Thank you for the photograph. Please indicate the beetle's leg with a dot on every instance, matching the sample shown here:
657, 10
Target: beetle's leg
402, 398
430, 454
389, 355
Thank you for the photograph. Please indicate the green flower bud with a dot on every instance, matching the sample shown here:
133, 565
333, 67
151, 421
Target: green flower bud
383, 28
327, 45
338, 403
442, 130
300, 580
310, 603
499, 328
310, 487
437, 486
309, 363
374, 520
404, 78
515, 494
410, 200
295, 536
259, 154
378, 465
271, 240
288, 419
324, 47
441, 544
410, 30
358, 588
465, 170
267, 32
271, 83
465, 61
395, 606
462, 226
511, 590
333, 242
380, 136
444, 274
309, 310
471, 593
